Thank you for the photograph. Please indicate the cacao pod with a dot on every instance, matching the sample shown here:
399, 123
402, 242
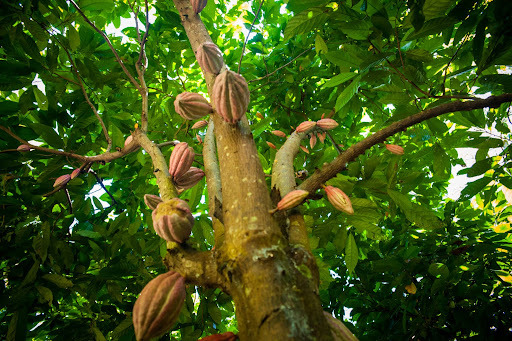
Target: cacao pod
192, 106
198, 5
209, 58
231, 96
395, 149
292, 199
339, 331
312, 141
271, 145
23, 148
173, 220
75, 173
278, 133
190, 178
322, 136
181, 159
227, 336
327, 124
305, 127
339, 199
158, 306
199, 139
200, 124
304, 149
152, 201
62, 180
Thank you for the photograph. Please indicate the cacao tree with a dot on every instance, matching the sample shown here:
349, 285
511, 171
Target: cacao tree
270, 168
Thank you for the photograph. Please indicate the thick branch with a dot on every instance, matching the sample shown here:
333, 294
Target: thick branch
330, 170
161, 169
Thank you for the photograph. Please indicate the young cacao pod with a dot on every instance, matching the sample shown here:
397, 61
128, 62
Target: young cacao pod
327, 124
75, 173
322, 136
312, 141
278, 133
62, 180
231, 96
271, 145
158, 306
173, 220
395, 149
190, 178
227, 336
304, 149
305, 127
200, 124
198, 5
339, 331
209, 58
181, 159
192, 106
339, 199
23, 148
292, 199
152, 201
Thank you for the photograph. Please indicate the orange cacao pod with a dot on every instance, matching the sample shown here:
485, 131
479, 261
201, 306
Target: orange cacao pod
278, 133
190, 178
209, 58
271, 145
62, 180
339, 331
173, 220
23, 148
198, 5
322, 136
181, 159
312, 141
395, 149
305, 126
227, 336
327, 124
152, 200
231, 96
75, 173
292, 199
200, 124
191, 106
158, 306
304, 149
339, 199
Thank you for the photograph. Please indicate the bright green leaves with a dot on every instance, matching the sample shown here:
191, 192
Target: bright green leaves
347, 93
358, 29
305, 22
419, 215
351, 253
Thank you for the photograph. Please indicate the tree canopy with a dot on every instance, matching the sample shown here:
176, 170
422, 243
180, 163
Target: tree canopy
409, 84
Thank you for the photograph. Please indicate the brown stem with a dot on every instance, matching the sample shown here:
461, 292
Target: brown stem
130, 77
248, 34
337, 165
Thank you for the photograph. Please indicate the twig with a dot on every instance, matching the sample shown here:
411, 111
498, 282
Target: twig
69, 201
279, 68
100, 182
248, 35
130, 77
451, 60
338, 149
337, 165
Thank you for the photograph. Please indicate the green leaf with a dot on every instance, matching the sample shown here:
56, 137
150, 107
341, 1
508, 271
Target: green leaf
41, 99
358, 29
436, 8
305, 22
47, 134
439, 270
58, 280
351, 253
46, 295
320, 45
348, 93
431, 27
442, 166
473, 188
73, 38
42, 241
36, 30
340, 79
419, 215
88, 234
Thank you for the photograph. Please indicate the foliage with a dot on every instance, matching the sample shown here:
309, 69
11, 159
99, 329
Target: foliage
365, 64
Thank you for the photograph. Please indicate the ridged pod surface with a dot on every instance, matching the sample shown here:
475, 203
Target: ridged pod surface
209, 57
75, 173
339, 199
278, 133
173, 220
227, 336
200, 124
231, 96
322, 136
152, 200
326, 124
192, 106
190, 178
62, 180
198, 5
339, 331
312, 141
305, 126
395, 149
158, 306
271, 145
292, 199
181, 159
